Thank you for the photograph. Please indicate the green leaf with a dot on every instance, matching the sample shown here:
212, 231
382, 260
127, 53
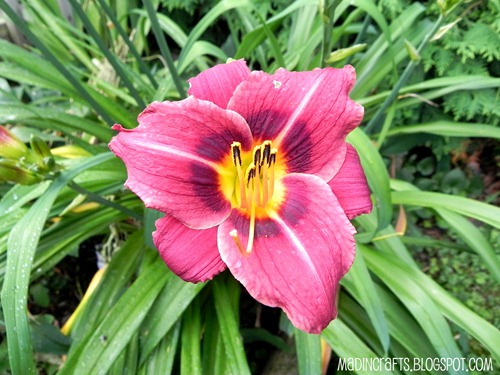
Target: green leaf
361, 286
161, 359
472, 236
396, 275
450, 129
469, 207
22, 243
404, 278
118, 273
308, 348
376, 174
190, 340
235, 355
166, 311
347, 345
106, 342
206, 21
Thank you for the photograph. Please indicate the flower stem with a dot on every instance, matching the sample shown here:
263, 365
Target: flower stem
374, 123
105, 202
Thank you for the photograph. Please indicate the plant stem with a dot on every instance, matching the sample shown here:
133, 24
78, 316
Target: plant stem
374, 123
105, 202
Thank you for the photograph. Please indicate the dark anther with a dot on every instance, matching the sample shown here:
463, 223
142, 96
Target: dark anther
236, 149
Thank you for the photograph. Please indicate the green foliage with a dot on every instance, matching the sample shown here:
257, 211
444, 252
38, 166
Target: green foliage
472, 47
429, 290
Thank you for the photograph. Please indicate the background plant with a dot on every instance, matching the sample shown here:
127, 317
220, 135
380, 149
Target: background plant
78, 69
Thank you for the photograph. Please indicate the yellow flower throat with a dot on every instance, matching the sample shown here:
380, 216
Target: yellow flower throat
253, 189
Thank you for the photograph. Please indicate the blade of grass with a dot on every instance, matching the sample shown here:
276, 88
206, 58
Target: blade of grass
58, 27
117, 65
22, 243
373, 124
25, 29
127, 41
206, 21
165, 51
275, 47
328, 20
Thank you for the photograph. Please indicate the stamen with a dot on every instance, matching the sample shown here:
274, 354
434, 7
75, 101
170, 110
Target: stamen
250, 175
272, 161
265, 185
236, 151
256, 186
266, 152
257, 157
239, 245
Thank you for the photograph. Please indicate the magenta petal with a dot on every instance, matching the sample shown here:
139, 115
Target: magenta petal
217, 84
307, 115
299, 254
350, 187
192, 254
173, 158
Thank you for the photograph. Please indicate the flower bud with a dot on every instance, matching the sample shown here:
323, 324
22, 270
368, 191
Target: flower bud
412, 51
342, 53
11, 172
43, 153
10, 146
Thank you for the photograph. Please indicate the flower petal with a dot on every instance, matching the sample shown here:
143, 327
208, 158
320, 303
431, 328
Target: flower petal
192, 254
350, 187
307, 115
299, 253
217, 84
173, 158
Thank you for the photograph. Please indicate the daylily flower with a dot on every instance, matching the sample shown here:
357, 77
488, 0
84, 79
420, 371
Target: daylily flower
253, 173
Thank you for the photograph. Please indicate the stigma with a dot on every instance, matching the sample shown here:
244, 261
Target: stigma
254, 186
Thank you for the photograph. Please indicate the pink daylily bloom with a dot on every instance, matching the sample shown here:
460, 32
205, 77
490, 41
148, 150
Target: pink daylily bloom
253, 173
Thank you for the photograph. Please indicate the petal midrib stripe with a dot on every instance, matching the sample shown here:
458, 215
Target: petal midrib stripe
179, 153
